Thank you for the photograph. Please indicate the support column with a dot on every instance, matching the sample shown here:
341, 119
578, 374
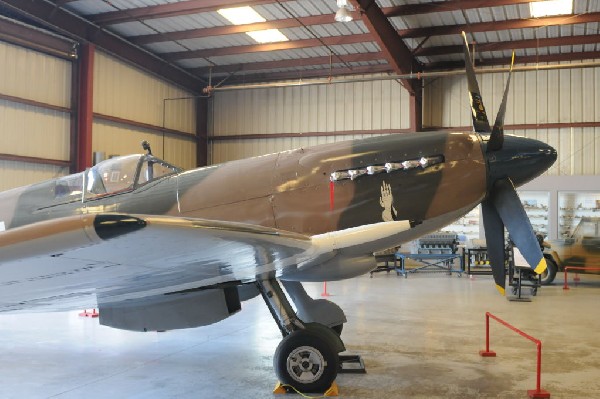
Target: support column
85, 106
74, 124
201, 131
416, 109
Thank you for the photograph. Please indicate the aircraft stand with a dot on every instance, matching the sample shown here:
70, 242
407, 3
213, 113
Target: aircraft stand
520, 277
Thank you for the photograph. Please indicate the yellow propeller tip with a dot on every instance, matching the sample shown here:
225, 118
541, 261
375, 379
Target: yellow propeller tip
541, 267
500, 289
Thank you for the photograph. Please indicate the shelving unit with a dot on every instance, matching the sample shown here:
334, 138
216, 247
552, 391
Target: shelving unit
467, 226
536, 204
573, 206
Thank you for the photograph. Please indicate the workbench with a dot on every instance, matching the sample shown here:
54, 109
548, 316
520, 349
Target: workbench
431, 262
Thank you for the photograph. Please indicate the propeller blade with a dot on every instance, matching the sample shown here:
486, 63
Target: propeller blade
480, 119
497, 137
508, 205
494, 238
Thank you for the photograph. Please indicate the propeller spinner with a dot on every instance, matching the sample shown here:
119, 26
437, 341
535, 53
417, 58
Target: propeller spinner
511, 161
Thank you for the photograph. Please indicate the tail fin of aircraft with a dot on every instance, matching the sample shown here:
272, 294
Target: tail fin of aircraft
502, 206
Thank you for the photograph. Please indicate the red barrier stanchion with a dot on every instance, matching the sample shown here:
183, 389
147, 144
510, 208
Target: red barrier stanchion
325, 293
536, 393
92, 314
487, 352
566, 286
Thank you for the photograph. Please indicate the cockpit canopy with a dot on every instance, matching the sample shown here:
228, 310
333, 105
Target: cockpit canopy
112, 176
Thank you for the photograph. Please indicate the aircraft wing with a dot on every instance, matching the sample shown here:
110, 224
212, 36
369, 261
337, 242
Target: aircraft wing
124, 255
62, 263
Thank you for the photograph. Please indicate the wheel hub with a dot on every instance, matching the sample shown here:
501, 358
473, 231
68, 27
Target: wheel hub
306, 364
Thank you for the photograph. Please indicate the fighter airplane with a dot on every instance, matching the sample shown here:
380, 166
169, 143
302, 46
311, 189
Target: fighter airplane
158, 248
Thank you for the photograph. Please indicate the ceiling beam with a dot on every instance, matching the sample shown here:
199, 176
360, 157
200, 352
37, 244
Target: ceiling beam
200, 6
398, 55
257, 66
49, 15
500, 25
37, 39
233, 29
530, 59
170, 10
409, 9
449, 5
512, 45
255, 48
315, 73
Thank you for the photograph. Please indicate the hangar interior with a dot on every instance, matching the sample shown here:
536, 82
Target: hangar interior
85, 80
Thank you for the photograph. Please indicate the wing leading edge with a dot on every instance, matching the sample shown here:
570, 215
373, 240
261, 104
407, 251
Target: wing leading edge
129, 257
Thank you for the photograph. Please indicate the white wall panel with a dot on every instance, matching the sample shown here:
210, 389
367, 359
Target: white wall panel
552, 96
27, 130
34, 76
126, 92
115, 139
34, 132
16, 174
354, 106
301, 109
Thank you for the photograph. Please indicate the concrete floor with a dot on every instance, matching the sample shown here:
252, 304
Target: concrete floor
419, 338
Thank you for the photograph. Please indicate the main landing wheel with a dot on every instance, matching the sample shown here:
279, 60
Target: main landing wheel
549, 274
305, 361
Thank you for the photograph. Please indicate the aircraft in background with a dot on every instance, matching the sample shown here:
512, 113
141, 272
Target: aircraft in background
157, 248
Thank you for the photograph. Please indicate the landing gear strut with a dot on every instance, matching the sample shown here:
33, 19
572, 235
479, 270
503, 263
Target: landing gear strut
307, 357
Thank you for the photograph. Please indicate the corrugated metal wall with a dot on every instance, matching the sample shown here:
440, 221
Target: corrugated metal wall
116, 139
125, 92
305, 109
536, 97
29, 130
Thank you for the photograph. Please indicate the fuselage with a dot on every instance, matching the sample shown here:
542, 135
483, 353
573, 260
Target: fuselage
426, 179
291, 190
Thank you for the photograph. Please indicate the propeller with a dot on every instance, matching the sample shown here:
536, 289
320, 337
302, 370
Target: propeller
502, 207
480, 119
497, 136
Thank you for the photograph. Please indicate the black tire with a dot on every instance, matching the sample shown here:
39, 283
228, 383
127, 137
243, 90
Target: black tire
304, 361
550, 273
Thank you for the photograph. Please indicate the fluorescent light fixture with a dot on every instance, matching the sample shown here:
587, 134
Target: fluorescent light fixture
551, 7
241, 15
343, 13
268, 36
247, 15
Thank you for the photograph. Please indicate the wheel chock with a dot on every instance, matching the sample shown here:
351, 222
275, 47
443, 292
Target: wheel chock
332, 391
279, 389
283, 389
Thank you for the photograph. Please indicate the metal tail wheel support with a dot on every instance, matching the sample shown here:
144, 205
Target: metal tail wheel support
307, 358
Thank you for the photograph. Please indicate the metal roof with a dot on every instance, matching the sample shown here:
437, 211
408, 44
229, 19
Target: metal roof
192, 36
